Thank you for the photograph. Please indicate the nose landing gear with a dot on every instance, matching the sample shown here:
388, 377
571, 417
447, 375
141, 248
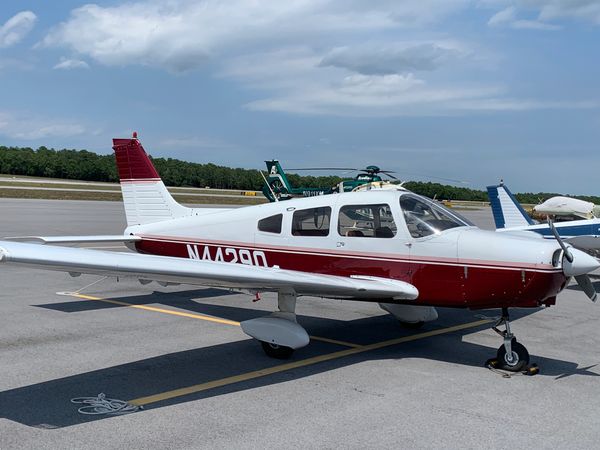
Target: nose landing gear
512, 356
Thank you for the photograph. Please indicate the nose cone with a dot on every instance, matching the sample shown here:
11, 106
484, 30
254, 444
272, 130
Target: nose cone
582, 263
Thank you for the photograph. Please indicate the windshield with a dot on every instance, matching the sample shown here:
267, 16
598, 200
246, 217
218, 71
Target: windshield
425, 217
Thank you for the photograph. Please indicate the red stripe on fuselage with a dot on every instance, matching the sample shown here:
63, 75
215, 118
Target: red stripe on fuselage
507, 265
439, 283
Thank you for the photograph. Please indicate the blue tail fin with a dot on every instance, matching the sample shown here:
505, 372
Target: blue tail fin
507, 211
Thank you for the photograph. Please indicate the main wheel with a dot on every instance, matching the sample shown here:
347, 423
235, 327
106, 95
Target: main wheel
412, 325
277, 351
520, 357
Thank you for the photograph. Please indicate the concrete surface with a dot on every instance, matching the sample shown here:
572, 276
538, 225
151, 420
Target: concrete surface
432, 392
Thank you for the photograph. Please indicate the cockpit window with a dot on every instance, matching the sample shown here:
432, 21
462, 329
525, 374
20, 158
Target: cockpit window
424, 217
366, 221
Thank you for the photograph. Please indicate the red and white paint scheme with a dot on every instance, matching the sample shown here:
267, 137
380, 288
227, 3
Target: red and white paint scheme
393, 247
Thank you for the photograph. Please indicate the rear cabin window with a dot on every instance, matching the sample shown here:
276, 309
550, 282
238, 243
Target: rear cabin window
311, 222
373, 221
271, 224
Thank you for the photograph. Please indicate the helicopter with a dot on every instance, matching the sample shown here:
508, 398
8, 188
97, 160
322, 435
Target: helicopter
278, 187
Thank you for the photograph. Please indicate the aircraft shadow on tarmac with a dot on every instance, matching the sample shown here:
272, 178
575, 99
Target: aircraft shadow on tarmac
47, 405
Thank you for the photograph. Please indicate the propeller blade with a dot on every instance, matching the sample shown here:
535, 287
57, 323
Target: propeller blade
576, 263
585, 283
391, 176
567, 253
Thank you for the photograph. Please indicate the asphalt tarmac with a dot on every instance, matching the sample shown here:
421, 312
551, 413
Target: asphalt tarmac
363, 382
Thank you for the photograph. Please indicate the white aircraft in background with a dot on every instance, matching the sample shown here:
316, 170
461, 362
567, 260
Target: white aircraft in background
405, 252
568, 207
510, 216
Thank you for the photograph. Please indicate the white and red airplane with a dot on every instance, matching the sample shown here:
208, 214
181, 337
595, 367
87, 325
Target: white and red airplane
393, 247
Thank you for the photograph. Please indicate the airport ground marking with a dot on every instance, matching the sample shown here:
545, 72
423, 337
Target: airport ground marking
198, 316
353, 350
159, 310
142, 401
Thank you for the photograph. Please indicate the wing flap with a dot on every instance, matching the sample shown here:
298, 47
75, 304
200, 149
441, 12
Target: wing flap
198, 272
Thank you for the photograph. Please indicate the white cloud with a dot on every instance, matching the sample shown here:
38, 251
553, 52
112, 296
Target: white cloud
16, 28
294, 82
31, 127
372, 59
352, 57
508, 17
69, 64
545, 10
181, 35
587, 10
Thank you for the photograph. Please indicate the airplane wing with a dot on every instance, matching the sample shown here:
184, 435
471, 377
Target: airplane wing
587, 242
74, 239
197, 272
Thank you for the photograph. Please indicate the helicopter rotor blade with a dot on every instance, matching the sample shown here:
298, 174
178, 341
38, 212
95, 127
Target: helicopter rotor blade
323, 168
452, 180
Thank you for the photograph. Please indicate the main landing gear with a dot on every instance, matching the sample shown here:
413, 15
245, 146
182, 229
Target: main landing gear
279, 333
512, 356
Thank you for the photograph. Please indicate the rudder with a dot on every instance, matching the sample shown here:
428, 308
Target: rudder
507, 211
145, 196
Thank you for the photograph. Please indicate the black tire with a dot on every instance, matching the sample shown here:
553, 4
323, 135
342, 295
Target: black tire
412, 325
519, 351
276, 351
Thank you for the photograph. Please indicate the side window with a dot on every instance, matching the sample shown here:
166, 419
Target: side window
366, 221
271, 224
311, 222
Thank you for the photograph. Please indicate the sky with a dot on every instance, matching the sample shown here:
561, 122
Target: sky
471, 90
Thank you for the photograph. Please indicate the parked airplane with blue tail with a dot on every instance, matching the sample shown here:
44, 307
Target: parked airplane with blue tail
510, 216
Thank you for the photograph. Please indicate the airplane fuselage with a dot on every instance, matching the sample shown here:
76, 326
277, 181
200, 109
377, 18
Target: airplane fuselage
462, 266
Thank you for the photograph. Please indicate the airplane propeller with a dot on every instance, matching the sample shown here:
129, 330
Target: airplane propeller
577, 269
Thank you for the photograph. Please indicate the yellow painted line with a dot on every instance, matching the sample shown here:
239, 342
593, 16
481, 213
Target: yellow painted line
196, 316
335, 341
160, 310
297, 364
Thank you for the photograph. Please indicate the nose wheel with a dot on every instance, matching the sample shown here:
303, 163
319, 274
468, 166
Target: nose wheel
512, 356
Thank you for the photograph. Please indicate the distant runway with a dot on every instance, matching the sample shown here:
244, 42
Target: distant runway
363, 382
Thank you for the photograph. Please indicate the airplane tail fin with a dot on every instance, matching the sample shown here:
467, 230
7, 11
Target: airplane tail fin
145, 196
507, 211
277, 186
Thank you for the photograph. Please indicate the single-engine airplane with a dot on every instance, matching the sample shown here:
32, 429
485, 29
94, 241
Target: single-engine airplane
401, 250
510, 216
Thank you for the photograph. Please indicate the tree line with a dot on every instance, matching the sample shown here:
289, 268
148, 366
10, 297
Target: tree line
89, 166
